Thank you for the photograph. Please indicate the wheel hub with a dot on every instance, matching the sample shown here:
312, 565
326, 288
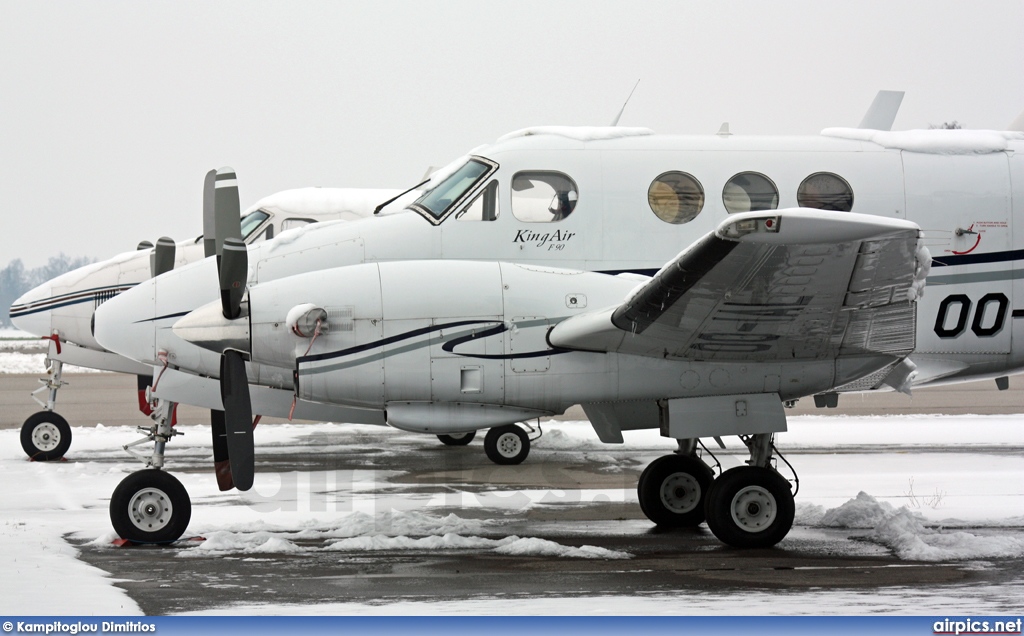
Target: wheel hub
150, 509
680, 493
509, 445
753, 509
46, 436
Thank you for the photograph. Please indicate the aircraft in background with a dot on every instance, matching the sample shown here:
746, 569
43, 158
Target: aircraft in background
62, 309
545, 270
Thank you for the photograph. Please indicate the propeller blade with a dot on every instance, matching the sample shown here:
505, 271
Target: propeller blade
209, 225
234, 271
227, 220
221, 465
162, 259
234, 392
144, 245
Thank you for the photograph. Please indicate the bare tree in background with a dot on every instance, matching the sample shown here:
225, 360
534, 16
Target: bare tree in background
15, 280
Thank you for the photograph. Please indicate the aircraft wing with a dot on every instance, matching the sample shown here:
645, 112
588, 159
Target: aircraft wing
771, 286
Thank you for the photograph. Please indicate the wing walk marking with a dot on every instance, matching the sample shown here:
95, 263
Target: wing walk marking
671, 284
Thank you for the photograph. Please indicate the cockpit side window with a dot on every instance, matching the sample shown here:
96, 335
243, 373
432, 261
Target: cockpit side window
444, 197
543, 196
252, 222
292, 223
484, 207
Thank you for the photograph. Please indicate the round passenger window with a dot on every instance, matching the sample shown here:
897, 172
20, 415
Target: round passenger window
676, 197
825, 191
749, 192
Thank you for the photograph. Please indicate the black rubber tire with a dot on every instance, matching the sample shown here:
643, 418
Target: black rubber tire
503, 449
160, 489
770, 502
458, 439
672, 491
37, 436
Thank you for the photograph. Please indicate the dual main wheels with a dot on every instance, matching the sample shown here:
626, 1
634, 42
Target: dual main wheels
503, 444
45, 436
746, 507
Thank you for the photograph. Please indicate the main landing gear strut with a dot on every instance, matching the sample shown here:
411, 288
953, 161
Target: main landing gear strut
748, 506
151, 505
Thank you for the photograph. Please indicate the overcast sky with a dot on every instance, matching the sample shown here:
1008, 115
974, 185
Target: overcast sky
112, 112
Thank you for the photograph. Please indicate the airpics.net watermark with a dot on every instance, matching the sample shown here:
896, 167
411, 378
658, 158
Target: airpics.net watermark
977, 626
80, 627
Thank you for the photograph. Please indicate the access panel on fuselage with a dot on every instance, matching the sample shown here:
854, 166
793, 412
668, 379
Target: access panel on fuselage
962, 203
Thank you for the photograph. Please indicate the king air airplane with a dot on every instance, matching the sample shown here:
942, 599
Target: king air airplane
690, 284
61, 309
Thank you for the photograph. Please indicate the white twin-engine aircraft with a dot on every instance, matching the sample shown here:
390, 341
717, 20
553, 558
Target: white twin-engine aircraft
62, 309
545, 271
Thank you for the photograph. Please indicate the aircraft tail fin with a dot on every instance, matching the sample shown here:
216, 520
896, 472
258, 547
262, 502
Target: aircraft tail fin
1018, 123
882, 112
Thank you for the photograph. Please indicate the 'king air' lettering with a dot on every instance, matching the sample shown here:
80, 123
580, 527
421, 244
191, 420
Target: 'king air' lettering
541, 239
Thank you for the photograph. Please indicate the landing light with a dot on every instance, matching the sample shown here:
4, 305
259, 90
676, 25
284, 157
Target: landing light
742, 227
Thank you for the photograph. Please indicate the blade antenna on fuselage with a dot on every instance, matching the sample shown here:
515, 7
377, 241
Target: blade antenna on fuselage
615, 122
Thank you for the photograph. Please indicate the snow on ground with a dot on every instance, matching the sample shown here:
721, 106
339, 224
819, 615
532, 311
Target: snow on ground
21, 353
929, 488
15, 362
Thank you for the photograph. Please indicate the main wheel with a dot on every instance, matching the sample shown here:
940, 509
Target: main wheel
750, 507
150, 506
507, 444
45, 436
672, 490
457, 439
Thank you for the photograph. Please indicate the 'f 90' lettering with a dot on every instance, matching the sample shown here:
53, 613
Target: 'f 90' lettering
959, 306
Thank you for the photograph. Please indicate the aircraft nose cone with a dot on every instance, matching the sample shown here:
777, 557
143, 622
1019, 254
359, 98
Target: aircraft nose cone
124, 324
31, 311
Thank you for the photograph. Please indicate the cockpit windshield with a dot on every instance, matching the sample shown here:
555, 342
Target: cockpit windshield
437, 202
251, 222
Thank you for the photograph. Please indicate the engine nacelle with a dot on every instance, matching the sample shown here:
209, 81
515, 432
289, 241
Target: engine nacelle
421, 333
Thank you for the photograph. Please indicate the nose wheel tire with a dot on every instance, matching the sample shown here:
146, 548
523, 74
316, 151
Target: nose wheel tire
672, 491
457, 439
150, 506
45, 436
507, 444
750, 507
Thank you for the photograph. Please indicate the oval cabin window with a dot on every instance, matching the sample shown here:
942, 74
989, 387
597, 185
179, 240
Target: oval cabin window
676, 197
825, 191
750, 192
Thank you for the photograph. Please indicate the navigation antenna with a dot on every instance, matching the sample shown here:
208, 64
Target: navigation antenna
615, 122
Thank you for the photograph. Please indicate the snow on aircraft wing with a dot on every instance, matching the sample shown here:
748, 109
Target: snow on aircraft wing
771, 286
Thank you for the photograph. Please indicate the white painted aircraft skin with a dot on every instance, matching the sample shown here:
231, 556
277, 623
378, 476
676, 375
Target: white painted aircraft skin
968, 182
485, 304
65, 304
